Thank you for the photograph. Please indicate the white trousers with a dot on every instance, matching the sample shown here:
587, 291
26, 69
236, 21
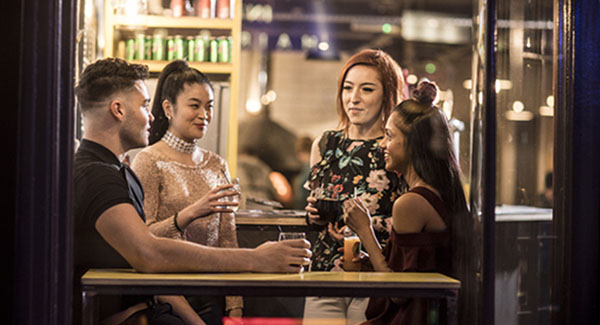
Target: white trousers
335, 310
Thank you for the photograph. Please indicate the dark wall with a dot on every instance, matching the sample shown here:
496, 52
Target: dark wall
9, 93
40, 131
585, 235
577, 157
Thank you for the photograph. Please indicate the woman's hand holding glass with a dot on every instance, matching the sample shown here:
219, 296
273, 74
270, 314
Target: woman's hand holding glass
211, 202
357, 216
313, 212
234, 198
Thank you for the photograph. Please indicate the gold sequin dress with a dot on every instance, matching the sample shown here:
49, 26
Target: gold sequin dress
170, 186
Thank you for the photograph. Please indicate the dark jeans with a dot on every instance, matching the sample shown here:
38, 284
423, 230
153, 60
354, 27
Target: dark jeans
209, 308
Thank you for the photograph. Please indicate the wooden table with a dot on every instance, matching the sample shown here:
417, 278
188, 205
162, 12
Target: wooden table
331, 284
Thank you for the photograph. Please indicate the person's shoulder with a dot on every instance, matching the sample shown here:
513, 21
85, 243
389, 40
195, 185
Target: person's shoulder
146, 157
410, 213
150, 152
332, 133
410, 205
95, 174
321, 142
85, 166
213, 160
213, 157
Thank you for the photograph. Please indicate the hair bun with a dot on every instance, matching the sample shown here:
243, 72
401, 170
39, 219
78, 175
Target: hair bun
426, 92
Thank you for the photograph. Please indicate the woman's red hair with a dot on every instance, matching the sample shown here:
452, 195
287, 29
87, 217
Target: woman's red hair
391, 77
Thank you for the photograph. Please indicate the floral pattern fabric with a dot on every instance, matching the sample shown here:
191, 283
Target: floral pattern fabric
350, 168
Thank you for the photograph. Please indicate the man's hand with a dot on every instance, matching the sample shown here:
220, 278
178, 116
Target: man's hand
288, 256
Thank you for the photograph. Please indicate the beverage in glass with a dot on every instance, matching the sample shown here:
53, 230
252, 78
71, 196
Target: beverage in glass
351, 250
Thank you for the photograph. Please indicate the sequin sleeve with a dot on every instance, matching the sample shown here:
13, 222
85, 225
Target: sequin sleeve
145, 167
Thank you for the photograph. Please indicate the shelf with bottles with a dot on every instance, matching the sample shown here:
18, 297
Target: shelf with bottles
213, 52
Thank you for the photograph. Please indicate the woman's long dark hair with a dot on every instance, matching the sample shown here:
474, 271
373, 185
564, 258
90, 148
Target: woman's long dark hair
430, 146
171, 81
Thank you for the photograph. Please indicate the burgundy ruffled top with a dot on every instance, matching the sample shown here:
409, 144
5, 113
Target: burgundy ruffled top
414, 252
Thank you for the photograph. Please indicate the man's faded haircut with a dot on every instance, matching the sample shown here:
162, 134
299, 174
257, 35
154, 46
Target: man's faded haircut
106, 77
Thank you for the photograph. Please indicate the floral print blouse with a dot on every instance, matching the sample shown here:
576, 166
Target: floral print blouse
351, 167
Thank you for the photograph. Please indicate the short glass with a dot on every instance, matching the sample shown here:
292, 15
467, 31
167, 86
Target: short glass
233, 198
329, 209
291, 235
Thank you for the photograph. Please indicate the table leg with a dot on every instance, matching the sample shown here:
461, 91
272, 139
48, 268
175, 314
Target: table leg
451, 306
89, 312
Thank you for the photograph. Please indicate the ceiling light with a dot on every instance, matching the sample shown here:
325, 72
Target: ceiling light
518, 106
519, 116
412, 79
546, 111
253, 106
386, 28
550, 101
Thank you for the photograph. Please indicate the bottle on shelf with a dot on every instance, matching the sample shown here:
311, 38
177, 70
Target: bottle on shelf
223, 9
140, 40
158, 45
202, 8
177, 8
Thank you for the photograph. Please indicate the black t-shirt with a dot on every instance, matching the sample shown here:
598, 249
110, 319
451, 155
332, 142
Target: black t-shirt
101, 181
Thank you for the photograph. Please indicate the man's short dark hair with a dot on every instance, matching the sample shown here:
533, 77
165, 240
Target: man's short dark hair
105, 77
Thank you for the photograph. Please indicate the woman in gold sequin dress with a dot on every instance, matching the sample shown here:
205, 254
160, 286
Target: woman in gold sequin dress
177, 175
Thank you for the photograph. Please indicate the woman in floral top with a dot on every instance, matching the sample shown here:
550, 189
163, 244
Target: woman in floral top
349, 162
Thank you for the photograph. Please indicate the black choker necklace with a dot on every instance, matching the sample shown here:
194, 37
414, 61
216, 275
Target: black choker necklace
178, 144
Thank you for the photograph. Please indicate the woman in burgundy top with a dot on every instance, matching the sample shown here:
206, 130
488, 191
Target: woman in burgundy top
418, 146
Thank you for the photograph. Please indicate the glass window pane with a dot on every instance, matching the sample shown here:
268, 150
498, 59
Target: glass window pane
524, 157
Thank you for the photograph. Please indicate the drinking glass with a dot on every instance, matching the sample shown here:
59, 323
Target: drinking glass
236, 198
329, 209
291, 235
232, 198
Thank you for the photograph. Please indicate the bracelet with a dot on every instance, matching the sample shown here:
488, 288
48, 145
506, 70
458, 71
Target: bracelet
175, 222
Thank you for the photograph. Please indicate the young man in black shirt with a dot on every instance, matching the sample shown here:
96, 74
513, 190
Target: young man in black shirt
110, 229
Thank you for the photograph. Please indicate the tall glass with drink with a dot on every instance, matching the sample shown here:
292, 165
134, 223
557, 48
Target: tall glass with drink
351, 250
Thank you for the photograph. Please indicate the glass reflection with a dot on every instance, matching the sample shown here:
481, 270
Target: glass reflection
524, 160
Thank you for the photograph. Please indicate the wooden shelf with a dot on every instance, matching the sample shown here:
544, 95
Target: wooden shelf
116, 26
204, 67
173, 22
